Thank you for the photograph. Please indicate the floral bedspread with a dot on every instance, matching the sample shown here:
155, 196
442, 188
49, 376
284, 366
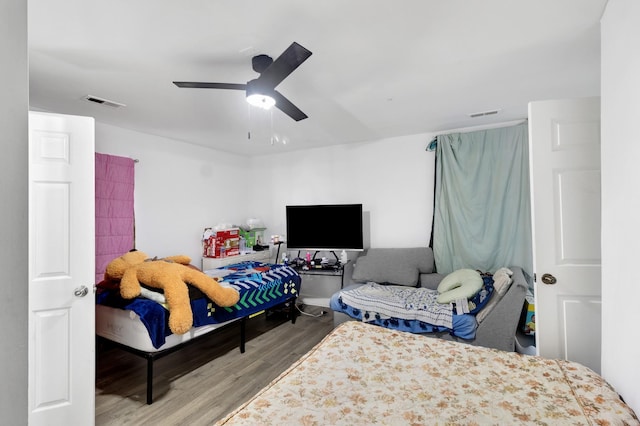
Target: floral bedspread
364, 374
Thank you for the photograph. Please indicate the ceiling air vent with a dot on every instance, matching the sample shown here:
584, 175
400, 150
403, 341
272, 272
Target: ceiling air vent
483, 113
102, 101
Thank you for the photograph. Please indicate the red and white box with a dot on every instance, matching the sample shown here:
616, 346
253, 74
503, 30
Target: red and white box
229, 239
223, 243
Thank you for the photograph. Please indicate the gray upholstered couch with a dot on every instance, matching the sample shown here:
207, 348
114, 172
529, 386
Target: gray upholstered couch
497, 322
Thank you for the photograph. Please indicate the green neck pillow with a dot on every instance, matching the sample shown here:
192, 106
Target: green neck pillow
460, 284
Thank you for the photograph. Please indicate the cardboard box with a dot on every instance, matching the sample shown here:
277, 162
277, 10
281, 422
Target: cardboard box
217, 244
252, 237
529, 316
229, 239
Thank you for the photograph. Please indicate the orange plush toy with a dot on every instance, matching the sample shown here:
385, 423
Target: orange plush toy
171, 274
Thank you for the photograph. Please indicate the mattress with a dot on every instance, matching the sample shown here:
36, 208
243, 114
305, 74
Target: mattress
365, 374
463, 326
261, 286
124, 327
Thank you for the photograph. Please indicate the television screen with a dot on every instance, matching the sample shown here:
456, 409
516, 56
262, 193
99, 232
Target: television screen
325, 227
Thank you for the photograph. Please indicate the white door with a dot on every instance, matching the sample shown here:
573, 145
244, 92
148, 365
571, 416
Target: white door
61, 270
565, 168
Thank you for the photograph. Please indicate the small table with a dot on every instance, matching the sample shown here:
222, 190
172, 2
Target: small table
318, 298
336, 270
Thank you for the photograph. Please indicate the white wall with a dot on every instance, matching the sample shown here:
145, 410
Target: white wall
180, 189
14, 250
392, 178
620, 29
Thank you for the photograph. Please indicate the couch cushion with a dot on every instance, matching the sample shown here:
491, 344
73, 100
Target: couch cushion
400, 266
431, 280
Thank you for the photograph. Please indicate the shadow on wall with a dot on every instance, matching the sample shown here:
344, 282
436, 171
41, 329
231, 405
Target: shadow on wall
366, 229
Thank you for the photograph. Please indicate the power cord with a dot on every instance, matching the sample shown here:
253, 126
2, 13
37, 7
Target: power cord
322, 312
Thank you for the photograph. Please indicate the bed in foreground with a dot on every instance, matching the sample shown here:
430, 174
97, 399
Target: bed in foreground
366, 374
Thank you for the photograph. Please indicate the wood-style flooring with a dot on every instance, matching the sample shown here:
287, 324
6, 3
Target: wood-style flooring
202, 382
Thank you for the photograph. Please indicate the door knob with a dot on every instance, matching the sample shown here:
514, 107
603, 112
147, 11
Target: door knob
548, 279
81, 291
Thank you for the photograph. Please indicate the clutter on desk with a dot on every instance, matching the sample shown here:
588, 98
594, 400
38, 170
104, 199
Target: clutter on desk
253, 234
219, 242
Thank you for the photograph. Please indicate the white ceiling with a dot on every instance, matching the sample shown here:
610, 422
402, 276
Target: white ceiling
379, 68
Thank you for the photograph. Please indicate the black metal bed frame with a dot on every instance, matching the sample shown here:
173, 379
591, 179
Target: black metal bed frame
152, 356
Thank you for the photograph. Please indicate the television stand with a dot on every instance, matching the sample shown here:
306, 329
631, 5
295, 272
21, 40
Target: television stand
313, 258
331, 251
334, 255
317, 298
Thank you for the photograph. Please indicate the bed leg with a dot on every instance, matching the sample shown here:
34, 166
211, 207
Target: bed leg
293, 311
149, 380
243, 323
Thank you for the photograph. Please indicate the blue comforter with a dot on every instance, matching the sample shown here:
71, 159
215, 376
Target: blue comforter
261, 286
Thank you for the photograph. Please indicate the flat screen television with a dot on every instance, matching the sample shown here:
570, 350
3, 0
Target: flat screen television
325, 227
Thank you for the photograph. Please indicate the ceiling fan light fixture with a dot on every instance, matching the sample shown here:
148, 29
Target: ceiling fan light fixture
259, 96
261, 101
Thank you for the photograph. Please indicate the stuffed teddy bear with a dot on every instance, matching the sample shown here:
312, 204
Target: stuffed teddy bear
171, 274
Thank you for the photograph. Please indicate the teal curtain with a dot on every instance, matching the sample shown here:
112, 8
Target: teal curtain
482, 214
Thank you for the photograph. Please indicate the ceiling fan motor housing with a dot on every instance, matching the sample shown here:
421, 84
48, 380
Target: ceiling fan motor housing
261, 63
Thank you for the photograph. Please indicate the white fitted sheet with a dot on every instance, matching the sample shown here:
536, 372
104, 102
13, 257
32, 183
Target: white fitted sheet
123, 326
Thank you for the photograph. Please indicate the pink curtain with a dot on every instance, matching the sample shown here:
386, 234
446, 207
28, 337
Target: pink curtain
115, 223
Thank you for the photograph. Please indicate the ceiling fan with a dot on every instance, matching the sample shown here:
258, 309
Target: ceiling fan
261, 91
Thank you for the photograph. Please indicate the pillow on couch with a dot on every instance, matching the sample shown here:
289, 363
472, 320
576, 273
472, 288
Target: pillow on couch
460, 284
399, 266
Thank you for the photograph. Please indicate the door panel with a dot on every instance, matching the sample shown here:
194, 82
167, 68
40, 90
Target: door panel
580, 314
565, 170
61, 262
578, 209
52, 371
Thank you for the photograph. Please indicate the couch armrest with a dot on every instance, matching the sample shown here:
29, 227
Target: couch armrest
498, 330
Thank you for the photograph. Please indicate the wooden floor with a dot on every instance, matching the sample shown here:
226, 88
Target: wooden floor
202, 382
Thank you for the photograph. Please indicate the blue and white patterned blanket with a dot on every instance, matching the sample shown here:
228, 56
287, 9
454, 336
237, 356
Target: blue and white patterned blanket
261, 286
407, 303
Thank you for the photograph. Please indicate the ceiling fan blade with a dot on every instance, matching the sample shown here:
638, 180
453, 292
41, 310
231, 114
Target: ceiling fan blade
285, 105
286, 63
196, 85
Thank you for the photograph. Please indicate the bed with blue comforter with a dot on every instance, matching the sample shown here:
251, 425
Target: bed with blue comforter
261, 286
402, 308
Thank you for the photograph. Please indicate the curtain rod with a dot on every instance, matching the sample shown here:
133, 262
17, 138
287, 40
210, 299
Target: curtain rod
431, 146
